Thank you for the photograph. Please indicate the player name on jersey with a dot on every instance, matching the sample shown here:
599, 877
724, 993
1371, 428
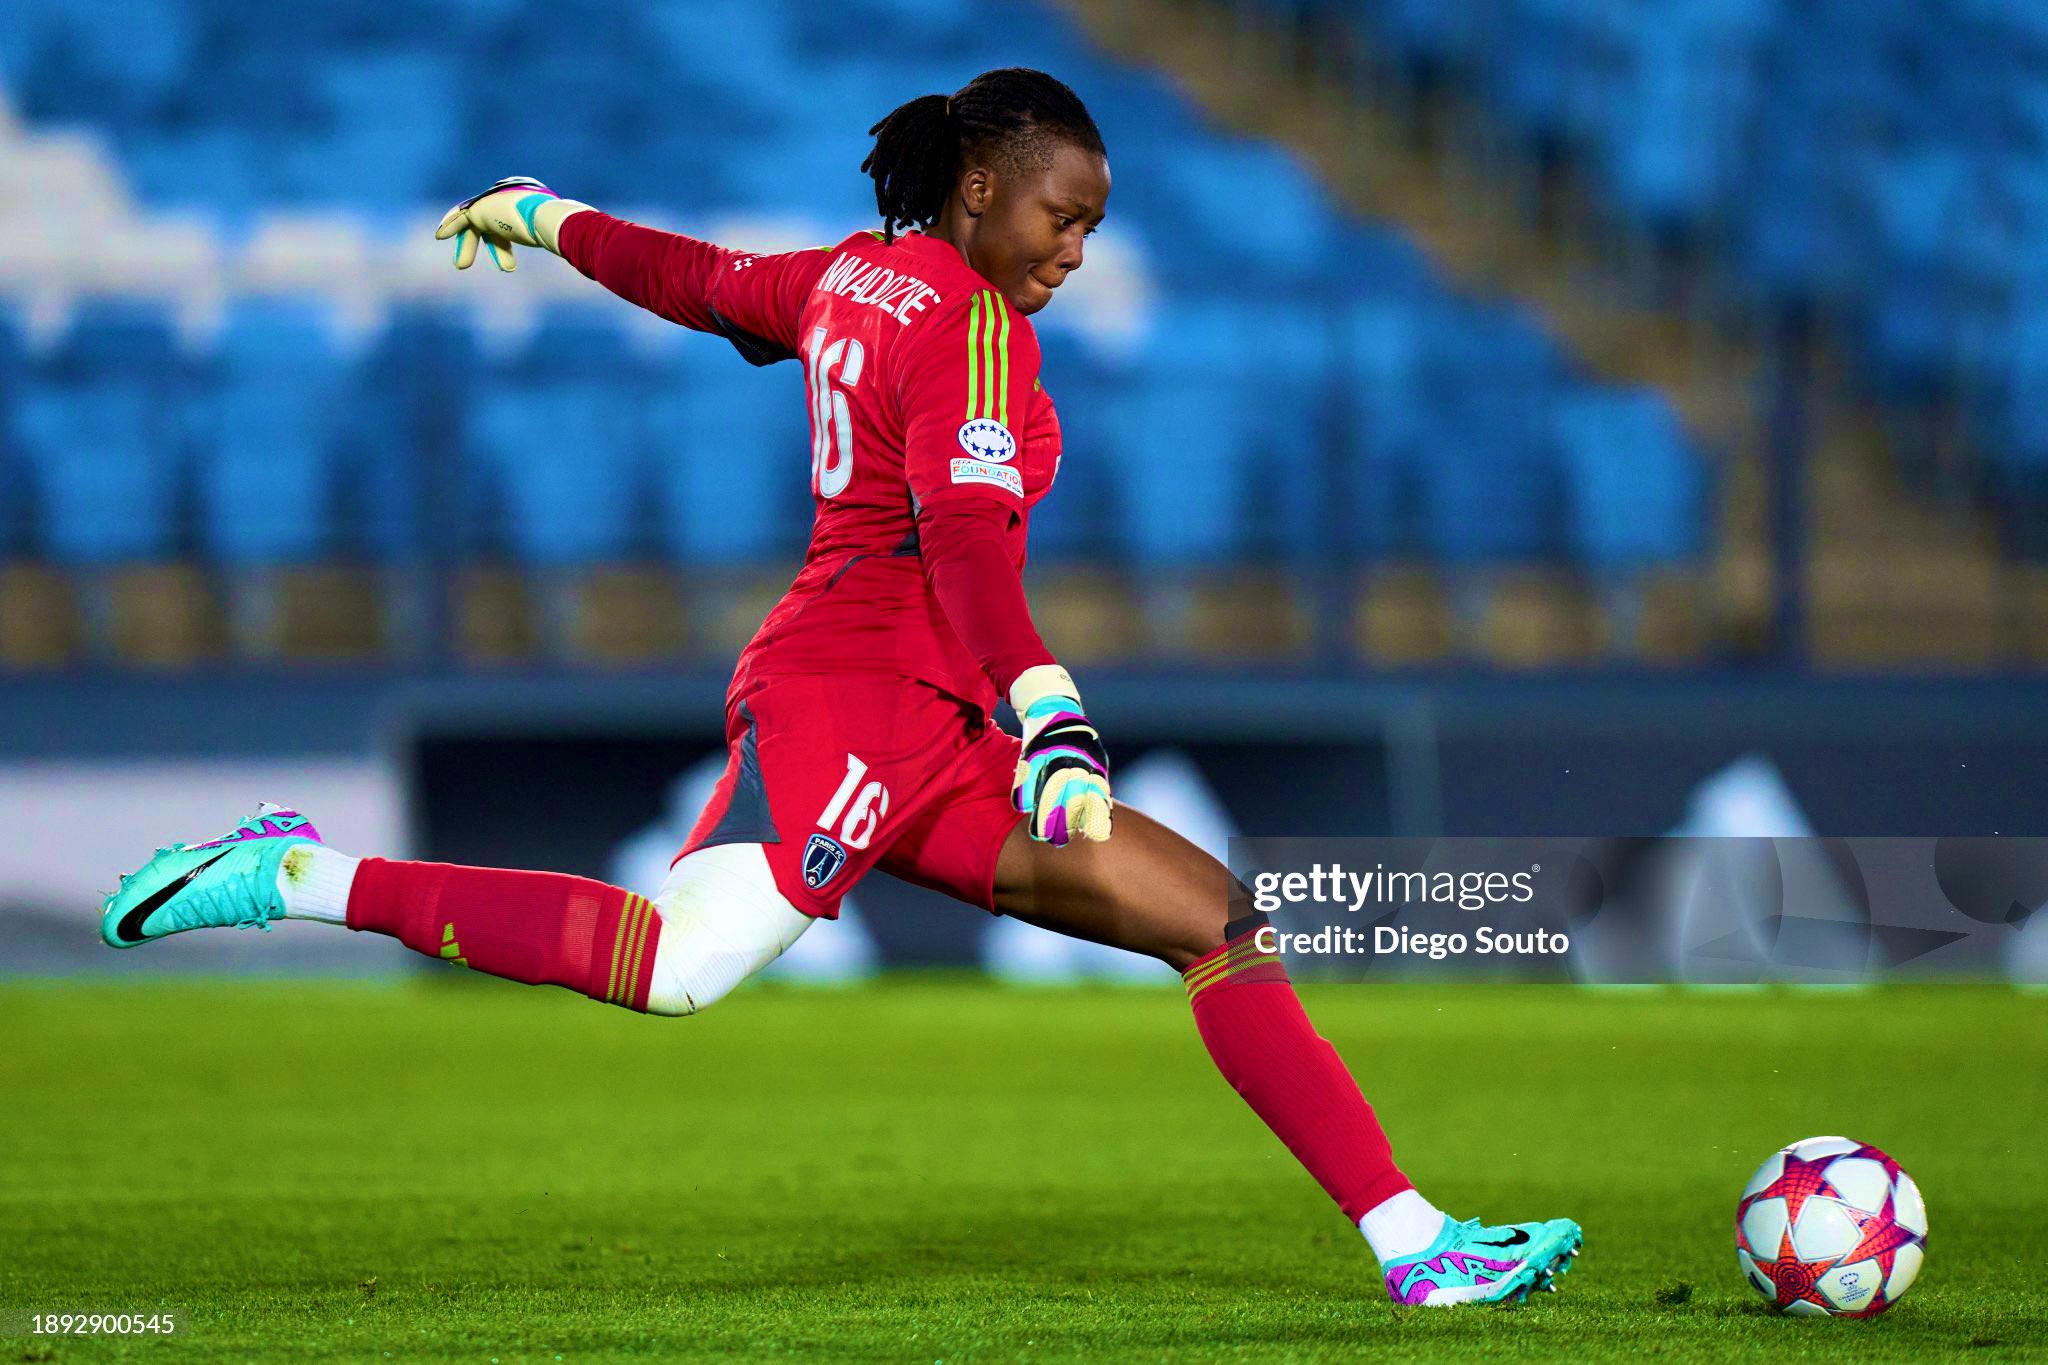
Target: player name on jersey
900, 296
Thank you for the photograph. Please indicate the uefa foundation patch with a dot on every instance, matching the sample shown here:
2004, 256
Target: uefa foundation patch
1001, 475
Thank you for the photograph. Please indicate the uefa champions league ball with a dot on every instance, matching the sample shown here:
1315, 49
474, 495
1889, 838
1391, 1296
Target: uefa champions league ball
1829, 1226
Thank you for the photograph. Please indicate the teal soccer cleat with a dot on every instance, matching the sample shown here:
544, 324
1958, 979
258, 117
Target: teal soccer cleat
1472, 1263
229, 881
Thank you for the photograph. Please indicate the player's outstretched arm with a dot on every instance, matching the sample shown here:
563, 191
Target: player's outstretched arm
515, 211
753, 301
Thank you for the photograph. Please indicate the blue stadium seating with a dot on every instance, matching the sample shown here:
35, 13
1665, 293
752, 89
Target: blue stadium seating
2025, 391
1887, 161
1177, 483
407, 401
1380, 416
729, 455
103, 426
1634, 495
1487, 494
14, 501
1308, 387
377, 144
266, 475
1074, 522
551, 447
1178, 437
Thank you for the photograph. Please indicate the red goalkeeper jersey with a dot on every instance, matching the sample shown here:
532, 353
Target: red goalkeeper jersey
931, 439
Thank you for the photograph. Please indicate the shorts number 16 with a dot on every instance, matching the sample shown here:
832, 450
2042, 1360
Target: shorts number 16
865, 812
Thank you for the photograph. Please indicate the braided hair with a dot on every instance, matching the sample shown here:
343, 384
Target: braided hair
1014, 117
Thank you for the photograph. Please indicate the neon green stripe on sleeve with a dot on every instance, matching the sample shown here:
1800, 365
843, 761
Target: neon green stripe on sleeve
1003, 348
973, 360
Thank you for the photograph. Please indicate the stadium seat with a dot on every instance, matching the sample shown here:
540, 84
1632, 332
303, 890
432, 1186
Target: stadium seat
103, 427
2026, 391
552, 446
1668, 163
729, 456
1634, 490
1428, 36
740, 49
107, 64
826, 162
1292, 231
1381, 405
1286, 386
1182, 476
406, 412
14, 501
210, 168
1074, 522
1486, 490
1179, 437
390, 157
267, 477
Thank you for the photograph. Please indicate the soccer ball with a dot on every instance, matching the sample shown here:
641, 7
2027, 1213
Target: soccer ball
1831, 1226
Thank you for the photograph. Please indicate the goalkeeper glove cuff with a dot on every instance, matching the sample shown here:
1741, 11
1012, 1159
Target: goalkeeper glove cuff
1062, 779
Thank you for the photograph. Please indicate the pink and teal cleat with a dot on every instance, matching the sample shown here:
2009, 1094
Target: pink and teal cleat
1472, 1263
229, 881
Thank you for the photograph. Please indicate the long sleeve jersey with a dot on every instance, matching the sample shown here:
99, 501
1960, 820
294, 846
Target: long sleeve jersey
931, 440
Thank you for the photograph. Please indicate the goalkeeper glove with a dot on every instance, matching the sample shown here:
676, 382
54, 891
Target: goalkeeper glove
517, 211
1063, 776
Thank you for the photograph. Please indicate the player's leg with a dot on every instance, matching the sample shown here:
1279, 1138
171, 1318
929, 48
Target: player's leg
820, 773
1149, 890
1158, 894
717, 919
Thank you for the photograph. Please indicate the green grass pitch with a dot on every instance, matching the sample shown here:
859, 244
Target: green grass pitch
944, 1170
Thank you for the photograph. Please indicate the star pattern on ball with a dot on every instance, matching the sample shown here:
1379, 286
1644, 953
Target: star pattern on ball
1792, 1279
1878, 1239
1866, 1152
1800, 1181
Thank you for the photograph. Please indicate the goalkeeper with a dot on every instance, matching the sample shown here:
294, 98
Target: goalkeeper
859, 720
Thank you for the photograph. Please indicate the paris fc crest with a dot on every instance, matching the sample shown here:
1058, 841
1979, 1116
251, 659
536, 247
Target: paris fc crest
823, 857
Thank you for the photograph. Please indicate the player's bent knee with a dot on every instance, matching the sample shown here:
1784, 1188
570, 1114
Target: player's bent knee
722, 920
1191, 934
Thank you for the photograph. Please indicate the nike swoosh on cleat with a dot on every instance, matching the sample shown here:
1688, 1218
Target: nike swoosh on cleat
1520, 1237
130, 927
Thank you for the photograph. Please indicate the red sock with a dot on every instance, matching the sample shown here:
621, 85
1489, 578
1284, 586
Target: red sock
542, 928
1263, 1043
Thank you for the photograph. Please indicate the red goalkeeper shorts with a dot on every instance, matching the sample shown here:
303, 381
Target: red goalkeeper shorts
834, 775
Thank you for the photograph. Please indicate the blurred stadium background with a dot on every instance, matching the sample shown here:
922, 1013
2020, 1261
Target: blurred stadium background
1529, 416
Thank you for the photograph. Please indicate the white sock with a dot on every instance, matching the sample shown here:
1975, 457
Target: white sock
1401, 1226
314, 880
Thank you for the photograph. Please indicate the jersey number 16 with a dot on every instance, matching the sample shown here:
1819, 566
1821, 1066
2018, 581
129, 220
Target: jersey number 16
831, 420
